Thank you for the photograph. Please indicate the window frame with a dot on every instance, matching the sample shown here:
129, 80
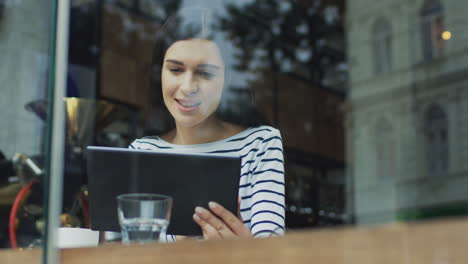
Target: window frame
382, 46
436, 139
432, 27
385, 148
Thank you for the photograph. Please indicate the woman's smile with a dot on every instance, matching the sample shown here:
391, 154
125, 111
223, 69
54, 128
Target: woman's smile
192, 81
187, 105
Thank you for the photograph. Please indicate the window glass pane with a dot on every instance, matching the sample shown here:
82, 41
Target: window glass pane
311, 70
382, 37
26, 30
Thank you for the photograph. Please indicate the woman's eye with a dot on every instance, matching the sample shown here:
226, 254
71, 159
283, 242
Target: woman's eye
206, 75
175, 70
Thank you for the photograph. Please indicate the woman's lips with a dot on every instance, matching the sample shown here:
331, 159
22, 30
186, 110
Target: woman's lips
186, 106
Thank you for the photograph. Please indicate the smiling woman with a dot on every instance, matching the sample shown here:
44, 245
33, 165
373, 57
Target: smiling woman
189, 38
189, 78
192, 81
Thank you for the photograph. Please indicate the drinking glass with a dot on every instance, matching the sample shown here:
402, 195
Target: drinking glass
143, 217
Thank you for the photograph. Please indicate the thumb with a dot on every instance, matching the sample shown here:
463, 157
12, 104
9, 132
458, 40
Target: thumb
238, 208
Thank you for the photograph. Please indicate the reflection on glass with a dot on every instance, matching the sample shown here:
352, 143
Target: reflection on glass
295, 54
25, 30
405, 127
432, 24
369, 97
382, 35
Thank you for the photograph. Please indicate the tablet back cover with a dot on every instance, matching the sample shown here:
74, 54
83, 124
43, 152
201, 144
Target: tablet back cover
192, 180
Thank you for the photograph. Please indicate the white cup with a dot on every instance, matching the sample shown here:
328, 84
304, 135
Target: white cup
74, 237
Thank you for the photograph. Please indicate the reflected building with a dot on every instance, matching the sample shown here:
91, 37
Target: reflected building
25, 70
299, 80
406, 127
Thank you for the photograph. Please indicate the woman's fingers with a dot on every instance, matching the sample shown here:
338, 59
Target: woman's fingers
235, 224
208, 231
219, 222
211, 222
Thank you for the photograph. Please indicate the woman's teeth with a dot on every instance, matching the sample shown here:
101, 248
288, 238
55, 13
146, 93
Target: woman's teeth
188, 105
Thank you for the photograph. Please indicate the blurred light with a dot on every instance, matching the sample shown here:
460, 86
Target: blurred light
292, 208
446, 35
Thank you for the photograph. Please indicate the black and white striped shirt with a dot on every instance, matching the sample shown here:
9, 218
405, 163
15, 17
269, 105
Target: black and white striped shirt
261, 185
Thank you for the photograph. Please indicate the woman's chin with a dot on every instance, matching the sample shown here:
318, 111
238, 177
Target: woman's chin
186, 122
194, 119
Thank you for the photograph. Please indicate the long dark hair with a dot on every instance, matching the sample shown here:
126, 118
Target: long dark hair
158, 118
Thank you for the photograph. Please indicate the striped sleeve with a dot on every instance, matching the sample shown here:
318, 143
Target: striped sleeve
134, 145
268, 189
147, 143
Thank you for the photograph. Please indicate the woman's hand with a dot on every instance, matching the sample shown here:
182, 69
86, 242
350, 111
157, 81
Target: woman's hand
220, 223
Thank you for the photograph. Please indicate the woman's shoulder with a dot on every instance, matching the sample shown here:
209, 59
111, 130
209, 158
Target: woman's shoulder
149, 143
258, 134
263, 130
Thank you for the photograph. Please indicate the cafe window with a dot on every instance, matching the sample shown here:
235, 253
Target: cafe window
382, 45
327, 142
436, 139
432, 24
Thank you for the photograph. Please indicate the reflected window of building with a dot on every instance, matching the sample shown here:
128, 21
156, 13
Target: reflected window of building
385, 150
432, 23
382, 45
436, 139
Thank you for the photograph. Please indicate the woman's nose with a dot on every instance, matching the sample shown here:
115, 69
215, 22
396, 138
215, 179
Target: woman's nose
189, 85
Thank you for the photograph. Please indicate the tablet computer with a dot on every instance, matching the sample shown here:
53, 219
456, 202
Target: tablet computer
190, 179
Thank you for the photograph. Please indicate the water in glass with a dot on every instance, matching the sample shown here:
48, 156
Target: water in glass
143, 230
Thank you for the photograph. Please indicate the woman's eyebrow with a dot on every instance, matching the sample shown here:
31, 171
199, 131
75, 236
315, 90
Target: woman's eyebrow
205, 65
175, 62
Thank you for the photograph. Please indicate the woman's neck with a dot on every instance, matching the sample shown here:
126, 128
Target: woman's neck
206, 132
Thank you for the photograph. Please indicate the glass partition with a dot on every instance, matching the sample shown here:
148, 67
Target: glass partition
368, 96
405, 124
26, 71
368, 99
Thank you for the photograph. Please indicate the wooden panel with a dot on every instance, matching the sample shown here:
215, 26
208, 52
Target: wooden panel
127, 50
118, 77
29, 256
416, 243
310, 118
117, 35
421, 243
143, 75
145, 40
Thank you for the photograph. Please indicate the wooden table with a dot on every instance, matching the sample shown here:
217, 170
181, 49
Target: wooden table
434, 242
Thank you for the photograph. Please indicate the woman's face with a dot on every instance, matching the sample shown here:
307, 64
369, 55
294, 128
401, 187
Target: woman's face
192, 80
